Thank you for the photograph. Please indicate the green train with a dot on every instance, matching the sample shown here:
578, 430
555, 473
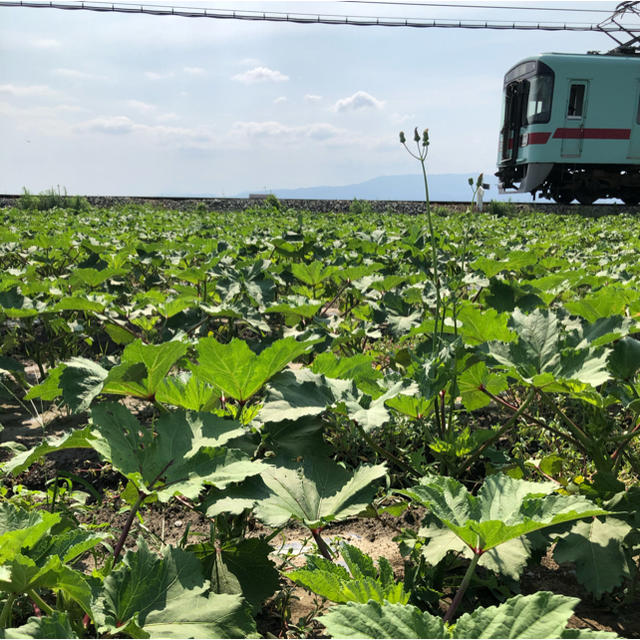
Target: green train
571, 127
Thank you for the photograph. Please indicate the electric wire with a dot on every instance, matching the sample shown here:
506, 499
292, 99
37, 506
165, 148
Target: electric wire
476, 6
301, 18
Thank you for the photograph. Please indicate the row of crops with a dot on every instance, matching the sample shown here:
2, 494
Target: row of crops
276, 367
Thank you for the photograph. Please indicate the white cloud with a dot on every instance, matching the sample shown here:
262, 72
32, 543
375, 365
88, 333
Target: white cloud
27, 90
195, 71
260, 74
143, 107
280, 99
359, 100
153, 75
117, 125
399, 118
312, 98
291, 134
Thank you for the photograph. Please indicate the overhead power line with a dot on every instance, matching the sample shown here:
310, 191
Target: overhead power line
300, 18
477, 6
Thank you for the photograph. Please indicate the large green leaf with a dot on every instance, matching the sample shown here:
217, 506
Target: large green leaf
540, 358
21, 529
595, 546
508, 559
188, 392
375, 620
237, 371
476, 378
317, 492
540, 615
165, 596
81, 381
482, 325
182, 453
313, 273
503, 509
234, 565
143, 367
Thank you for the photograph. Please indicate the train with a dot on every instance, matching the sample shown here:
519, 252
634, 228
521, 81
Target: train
570, 127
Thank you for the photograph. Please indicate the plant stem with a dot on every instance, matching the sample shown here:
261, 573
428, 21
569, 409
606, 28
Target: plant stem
322, 545
498, 434
455, 603
384, 453
127, 526
5, 616
531, 418
42, 605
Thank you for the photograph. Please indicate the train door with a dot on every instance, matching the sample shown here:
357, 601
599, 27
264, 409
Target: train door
634, 139
574, 121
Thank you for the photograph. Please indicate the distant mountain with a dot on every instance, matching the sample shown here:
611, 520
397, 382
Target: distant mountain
442, 187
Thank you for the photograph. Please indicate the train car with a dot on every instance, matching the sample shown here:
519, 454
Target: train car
571, 127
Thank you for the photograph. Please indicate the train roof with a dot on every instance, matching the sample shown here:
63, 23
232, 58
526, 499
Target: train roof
565, 61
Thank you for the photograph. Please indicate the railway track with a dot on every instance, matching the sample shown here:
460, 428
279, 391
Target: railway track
328, 205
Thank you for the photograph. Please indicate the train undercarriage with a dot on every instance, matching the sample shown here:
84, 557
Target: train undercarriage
567, 182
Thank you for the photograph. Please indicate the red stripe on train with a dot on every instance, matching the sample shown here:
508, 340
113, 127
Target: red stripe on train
593, 134
538, 137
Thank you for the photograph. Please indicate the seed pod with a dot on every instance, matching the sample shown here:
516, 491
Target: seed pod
402, 138
425, 138
416, 135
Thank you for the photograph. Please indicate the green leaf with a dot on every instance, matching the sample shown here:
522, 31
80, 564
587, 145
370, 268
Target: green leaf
313, 273
375, 620
237, 371
233, 568
320, 491
503, 509
56, 625
80, 382
188, 392
49, 389
624, 360
478, 377
295, 394
21, 529
595, 546
332, 581
182, 454
482, 325
77, 439
540, 615
508, 559
143, 367
165, 597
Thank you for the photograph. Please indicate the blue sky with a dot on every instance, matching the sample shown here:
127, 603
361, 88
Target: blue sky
103, 103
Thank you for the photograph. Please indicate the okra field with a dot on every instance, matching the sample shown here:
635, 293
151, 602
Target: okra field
185, 394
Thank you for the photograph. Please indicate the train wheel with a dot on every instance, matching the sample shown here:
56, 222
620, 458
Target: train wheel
586, 198
562, 197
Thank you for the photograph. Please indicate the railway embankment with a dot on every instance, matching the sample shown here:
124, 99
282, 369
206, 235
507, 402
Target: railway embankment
411, 207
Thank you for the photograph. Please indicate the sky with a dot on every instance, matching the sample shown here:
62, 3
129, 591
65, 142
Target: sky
118, 104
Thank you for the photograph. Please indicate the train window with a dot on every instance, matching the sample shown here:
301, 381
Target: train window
539, 102
576, 101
